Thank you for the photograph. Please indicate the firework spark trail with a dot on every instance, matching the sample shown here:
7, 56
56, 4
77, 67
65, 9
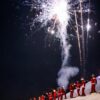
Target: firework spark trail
83, 38
78, 38
88, 26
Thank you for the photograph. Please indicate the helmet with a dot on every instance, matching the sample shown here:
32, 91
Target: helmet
93, 75
54, 90
82, 78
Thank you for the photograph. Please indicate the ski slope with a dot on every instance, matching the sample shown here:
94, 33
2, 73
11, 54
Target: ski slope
93, 96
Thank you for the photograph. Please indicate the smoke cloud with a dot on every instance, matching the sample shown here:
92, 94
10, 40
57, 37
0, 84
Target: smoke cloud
66, 71
65, 74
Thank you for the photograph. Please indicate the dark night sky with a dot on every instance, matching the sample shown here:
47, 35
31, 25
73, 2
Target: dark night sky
28, 65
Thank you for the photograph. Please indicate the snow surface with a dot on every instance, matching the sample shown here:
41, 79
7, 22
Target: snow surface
93, 96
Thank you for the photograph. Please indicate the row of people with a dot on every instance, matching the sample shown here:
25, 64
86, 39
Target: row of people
60, 93
81, 85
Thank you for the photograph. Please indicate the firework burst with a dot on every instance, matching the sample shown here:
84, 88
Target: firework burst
56, 15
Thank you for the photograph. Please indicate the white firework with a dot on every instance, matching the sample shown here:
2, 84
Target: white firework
54, 11
55, 14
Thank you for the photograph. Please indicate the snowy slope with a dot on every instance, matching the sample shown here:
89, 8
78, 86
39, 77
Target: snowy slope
93, 96
87, 92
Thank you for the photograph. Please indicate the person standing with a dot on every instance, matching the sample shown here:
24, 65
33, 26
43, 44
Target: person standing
64, 92
59, 94
83, 86
34, 98
54, 94
39, 98
71, 88
46, 96
50, 97
93, 83
78, 88
42, 97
